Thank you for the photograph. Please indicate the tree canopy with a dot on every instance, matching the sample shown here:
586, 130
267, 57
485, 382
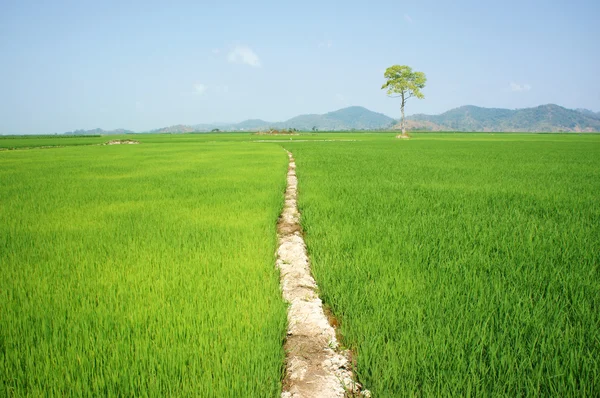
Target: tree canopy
401, 80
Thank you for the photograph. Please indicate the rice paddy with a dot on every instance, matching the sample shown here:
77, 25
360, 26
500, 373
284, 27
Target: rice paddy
455, 264
142, 270
460, 265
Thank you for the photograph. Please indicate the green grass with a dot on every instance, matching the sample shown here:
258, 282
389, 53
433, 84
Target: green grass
50, 142
460, 265
143, 270
22, 142
457, 264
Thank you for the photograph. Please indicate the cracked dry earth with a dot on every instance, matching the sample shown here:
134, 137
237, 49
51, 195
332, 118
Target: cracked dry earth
315, 367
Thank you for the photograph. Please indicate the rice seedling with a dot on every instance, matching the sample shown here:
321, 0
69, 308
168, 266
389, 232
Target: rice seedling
460, 265
455, 264
142, 270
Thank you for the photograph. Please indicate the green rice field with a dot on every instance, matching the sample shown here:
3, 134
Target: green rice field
141, 270
460, 265
455, 264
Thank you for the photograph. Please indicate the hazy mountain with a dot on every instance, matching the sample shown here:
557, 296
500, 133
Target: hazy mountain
98, 132
306, 122
206, 126
589, 113
351, 118
252, 124
354, 117
544, 118
178, 128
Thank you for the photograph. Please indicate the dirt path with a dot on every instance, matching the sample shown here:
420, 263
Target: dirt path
315, 366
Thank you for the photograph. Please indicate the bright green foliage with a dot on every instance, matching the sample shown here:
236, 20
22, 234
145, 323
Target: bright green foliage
460, 265
141, 270
402, 82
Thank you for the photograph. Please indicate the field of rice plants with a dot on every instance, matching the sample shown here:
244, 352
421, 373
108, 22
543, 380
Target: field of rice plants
20, 142
455, 264
460, 264
141, 270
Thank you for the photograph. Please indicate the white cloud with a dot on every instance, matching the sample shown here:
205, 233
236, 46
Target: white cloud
326, 44
519, 87
244, 55
200, 88
216, 51
408, 18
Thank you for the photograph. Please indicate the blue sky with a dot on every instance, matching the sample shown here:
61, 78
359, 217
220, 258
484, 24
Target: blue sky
141, 65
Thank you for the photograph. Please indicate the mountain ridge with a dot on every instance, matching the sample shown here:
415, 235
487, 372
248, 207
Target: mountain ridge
99, 131
543, 118
350, 118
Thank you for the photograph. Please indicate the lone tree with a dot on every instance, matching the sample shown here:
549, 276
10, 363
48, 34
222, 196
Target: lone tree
403, 83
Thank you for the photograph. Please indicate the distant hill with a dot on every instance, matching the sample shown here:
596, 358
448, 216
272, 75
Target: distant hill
179, 128
587, 112
251, 124
351, 118
544, 118
98, 132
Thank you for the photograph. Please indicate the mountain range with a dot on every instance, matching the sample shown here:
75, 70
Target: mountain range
98, 132
544, 118
351, 118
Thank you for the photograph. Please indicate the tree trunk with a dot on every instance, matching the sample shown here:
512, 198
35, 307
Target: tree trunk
403, 121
